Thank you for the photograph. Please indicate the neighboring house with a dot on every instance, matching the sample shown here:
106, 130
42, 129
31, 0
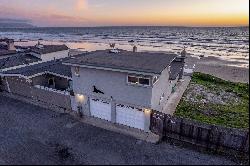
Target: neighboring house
48, 83
123, 87
49, 52
29, 55
7, 48
51, 74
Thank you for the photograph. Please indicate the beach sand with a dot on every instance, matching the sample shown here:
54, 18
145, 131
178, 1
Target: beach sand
220, 68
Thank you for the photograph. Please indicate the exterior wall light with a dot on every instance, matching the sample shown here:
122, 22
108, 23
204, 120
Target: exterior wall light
80, 98
147, 115
147, 111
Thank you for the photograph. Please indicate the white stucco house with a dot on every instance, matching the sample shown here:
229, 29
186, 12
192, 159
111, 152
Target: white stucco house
123, 86
49, 52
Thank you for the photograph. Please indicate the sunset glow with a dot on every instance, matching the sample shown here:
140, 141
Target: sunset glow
129, 12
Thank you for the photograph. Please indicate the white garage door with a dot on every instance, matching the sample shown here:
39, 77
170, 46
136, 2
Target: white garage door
130, 116
100, 109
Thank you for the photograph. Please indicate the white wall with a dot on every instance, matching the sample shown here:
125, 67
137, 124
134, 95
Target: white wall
56, 55
51, 56
112, 84
161, 86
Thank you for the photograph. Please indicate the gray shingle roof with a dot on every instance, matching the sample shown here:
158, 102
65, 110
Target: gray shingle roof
7, 52
17, 59
153, 63
175, 68
48, 49
52, 66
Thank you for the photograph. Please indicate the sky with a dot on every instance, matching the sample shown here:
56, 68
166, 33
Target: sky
63, 13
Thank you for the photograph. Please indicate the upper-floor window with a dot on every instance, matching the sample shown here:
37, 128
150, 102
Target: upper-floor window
139, 80
77, 71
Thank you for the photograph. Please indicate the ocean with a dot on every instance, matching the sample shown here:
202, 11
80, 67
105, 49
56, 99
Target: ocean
227, 43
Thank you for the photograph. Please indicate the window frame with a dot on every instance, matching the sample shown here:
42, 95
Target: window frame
157, 79
138, 83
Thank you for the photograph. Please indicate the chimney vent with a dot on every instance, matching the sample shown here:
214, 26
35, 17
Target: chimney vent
183, 52
134, 49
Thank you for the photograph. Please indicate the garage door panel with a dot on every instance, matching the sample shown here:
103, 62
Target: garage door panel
100, 109
130, 117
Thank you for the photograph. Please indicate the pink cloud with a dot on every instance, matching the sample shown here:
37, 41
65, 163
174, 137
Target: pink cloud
48, 17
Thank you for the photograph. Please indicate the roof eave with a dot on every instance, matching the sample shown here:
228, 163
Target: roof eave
113, 69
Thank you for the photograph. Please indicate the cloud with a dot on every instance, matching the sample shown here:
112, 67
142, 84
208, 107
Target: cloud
11, 20
47, 17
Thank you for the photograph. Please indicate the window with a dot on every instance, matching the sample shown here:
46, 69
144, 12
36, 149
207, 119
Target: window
133, 80
144, 81
77, 71
139, 80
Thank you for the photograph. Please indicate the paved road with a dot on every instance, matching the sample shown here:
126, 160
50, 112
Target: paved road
33, 135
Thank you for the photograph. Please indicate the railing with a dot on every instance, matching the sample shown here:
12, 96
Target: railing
52, 90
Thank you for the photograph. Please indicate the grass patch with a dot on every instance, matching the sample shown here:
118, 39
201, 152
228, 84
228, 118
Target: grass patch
235, 115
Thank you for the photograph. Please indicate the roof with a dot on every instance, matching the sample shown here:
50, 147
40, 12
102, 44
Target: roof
17, 59
45, 49
4, 50
150, 63
175, 68
7, 52
53, 67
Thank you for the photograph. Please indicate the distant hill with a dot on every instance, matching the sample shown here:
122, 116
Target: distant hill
15, 23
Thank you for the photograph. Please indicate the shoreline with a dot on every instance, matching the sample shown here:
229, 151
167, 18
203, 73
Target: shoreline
219, 68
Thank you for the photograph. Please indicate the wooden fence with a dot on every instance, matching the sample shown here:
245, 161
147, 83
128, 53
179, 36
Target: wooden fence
211, 137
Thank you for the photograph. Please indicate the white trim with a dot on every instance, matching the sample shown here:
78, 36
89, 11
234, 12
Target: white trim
13, 75
20, 66
52, 90
142, 85
48, 72
59, 75
35, 75
110, 69
153, 83
8, 86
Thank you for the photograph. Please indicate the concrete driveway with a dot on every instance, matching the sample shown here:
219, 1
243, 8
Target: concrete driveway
33, 135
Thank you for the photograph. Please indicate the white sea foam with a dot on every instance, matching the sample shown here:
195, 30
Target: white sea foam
226, 43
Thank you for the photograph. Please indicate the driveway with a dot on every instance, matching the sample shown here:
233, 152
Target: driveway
33, 135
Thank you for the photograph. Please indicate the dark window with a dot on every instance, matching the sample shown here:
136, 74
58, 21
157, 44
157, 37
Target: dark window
144, 81
133, 80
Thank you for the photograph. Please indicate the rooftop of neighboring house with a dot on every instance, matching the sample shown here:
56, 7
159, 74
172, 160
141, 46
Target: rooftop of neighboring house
4, 50
17, 60
45, 49
53, 67
175, 68
149, 63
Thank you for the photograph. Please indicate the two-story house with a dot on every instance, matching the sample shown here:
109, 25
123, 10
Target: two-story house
122, 86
